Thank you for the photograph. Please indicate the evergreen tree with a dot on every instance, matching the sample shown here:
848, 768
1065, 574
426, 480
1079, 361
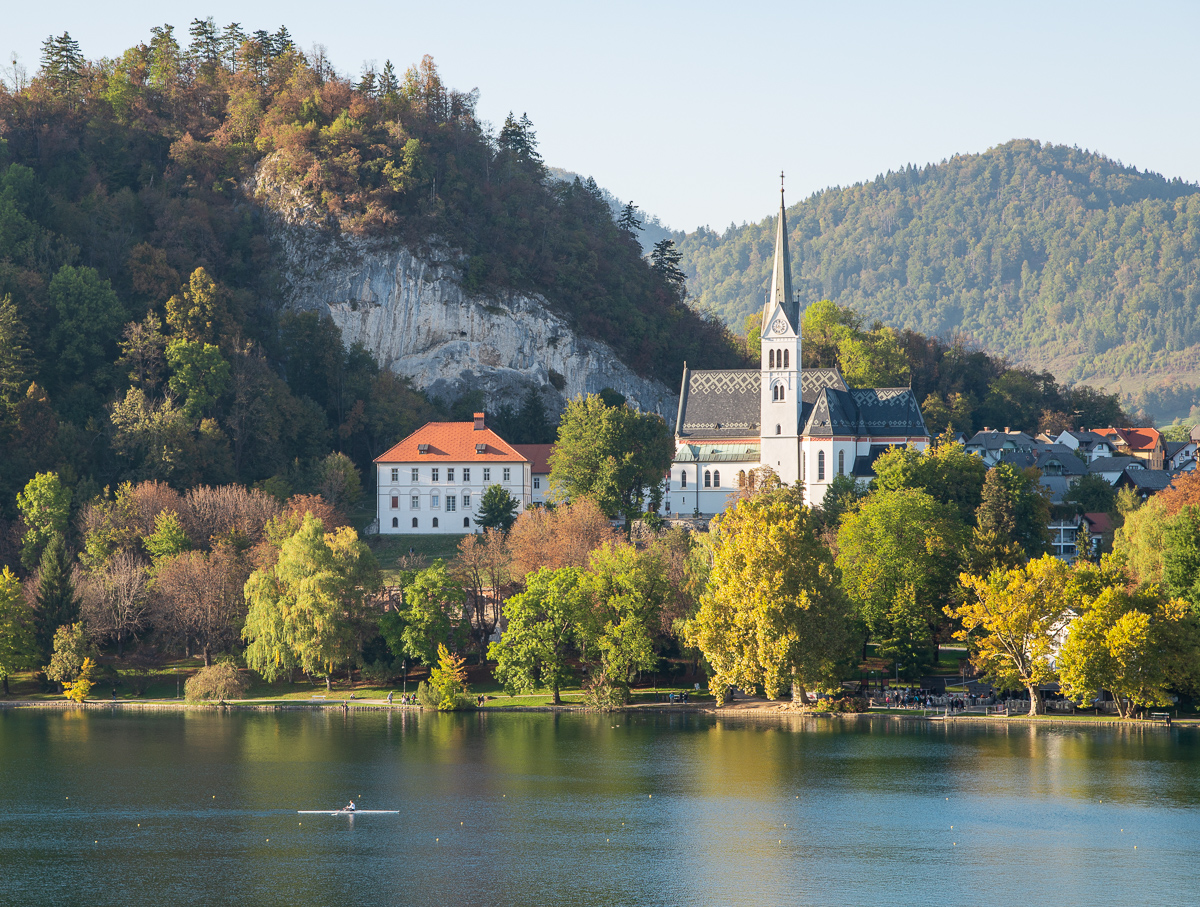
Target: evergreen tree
205, 48
232, 39
629, 221
665, 259
389, 85
15, 363
534, 420
497, 509
57, 604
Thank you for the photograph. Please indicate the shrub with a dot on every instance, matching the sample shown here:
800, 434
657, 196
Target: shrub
602, 694
79, 689
427, 696
850, 704
220, 681
378, 673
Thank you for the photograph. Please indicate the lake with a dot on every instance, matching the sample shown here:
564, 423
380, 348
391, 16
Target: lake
119, 808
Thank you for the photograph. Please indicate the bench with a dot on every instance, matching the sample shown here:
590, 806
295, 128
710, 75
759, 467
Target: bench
1164, 717
318, 695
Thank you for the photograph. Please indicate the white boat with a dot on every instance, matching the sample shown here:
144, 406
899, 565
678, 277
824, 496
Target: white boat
348, 812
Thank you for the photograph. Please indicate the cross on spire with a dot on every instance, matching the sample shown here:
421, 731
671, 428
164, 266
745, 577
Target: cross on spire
781, 182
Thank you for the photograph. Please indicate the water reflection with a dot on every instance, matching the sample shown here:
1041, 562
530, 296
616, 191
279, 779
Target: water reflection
586, 809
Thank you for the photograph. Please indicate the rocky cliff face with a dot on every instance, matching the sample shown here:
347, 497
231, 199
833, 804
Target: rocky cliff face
414, 316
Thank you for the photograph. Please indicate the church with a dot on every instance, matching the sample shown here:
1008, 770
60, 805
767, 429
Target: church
804, 423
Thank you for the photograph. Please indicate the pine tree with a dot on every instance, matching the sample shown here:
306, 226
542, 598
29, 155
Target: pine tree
665, 260
15, 363
497, 509
57, 604
629, 221
281, 42
232, 39
389, 85
205, 48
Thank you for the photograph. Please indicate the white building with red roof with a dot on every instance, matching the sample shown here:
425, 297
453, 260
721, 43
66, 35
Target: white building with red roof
538, 456
431, 482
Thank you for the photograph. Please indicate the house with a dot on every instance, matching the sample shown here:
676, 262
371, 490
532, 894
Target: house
1144, 481
431, 482
1144, 443
1091, 444
992, 444
806, 424
538, 456
1064, 538
1180, 455
1100, 531
1112, 468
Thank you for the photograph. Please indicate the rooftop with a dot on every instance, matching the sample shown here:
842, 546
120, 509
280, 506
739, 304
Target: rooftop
454, 442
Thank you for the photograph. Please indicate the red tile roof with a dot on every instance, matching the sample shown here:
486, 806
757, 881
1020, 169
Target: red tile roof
452, 442
1099, 523
538, 455
1136, 438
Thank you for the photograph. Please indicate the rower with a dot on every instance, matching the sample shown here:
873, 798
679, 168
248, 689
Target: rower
351, 807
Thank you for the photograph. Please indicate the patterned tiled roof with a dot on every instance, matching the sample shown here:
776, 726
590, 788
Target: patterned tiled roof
866, 412
725, 404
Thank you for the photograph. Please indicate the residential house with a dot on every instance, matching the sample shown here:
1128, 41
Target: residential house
1144, 443
992, 444
431, 482
1145, 481
1091, 444
1112, 468
1180, 455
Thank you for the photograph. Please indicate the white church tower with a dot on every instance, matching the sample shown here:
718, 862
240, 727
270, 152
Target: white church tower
780, 392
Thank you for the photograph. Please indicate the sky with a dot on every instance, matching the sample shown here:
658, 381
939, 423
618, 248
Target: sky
692, 109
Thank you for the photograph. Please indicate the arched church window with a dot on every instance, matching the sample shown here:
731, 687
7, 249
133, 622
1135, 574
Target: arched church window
414, 522
707, 479
785, 358
841, 462
779, 429
716, 478
770, 358
435, 525
741, 478
395, 522
683, 478
820, 466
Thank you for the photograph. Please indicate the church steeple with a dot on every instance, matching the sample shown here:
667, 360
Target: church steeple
781, 275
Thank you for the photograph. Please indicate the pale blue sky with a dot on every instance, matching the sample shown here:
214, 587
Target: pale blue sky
692, 109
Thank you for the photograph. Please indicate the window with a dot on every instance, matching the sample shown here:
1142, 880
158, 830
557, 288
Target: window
395, 502
434, 477
841, 462
707, 479
487, 475
716, 479
414, 502
779, 429
467, 501
449, 473
416, 474
466, 522
434, 501
396, 474
785, 358
683, 478
435, 522
820, 466
770, 359
537, 481
395, 522
741, 478
466, 474
804, 465
414, 522
451, 503
507, 474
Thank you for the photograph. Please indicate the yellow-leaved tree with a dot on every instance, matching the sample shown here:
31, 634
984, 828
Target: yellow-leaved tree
1013, 620
773, 614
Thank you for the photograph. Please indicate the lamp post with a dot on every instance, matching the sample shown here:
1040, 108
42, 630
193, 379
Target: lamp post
404, 670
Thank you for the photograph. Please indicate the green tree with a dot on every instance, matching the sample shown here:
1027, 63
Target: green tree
45, 506
874, 359
57, 603
169, 537
1181, 555
89, 317
198, 313
943, 470
823, 327
629, 221
1012, 621
542, 624
1092, 494
449, 680
773, 613
16, 363
18, 642
339, 482
72, 648
899, 554
497, 509
628, 590
665, 260
1015, 507
434, 602
1141, 541
309, 609
199, 375
612, 454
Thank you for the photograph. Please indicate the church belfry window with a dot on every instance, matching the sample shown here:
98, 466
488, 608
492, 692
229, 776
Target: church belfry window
779, 429
785, 358
770, 358
820, 466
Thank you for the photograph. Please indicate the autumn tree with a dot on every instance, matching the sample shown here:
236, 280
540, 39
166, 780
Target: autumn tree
482, 567
563, 537
773, 614
1012, 621
198, 313
116, 598
309, 608
18, 642
72, 647
200, 594
449, 680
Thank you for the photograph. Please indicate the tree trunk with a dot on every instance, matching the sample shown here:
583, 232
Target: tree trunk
1036, 707
120, 644
557, 698
4, 681
328, 681
207, 656
799, 694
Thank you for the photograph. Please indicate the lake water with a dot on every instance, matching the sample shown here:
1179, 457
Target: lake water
103, 808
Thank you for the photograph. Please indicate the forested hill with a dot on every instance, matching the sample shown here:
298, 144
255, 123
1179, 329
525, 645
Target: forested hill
140, 333
1056, 257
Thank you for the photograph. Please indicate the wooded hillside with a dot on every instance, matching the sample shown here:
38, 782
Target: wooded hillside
1055, 257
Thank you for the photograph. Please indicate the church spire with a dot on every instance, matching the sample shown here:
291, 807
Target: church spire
781, 275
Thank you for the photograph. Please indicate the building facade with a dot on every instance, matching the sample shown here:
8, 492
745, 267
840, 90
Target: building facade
431, 482
806, 424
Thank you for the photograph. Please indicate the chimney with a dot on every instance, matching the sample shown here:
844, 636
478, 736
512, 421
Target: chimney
479, 426
1007, 429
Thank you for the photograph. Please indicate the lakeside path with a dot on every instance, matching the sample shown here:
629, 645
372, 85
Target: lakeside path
743, 708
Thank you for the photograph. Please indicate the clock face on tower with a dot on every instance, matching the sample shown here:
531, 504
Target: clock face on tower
779, 326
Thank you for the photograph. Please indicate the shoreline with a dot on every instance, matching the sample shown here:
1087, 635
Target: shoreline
754, 711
